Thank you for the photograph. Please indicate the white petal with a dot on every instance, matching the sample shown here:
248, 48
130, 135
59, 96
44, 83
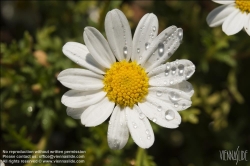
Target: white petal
223, 1
75, 112
118, 34
234, 22
98, 113
140, 129
146, 30
80, 79
160, 113
217, 16
171, 73
117, 131
98, 47
161, 48
184, 86
78, 99
79, 53
174, 98
247, 24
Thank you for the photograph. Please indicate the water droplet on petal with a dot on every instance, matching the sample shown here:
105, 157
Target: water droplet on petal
166, 72
171, 82
159, 108
169, 54
161, 49
180, 34
140, 57
149, 137
176, 105
147, 44
169, 115
158, 93
110, 122
125, 51
154, 119
138, 50
141, 115
181, 69
183, 106
189, 74
174, 96
173, 70
154, 28
147, 131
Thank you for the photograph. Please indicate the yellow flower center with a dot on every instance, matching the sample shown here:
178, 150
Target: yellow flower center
243, 5
126, 83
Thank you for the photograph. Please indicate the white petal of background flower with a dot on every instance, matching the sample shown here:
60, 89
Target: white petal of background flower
247, 24
98, 113
118, 132
79, 53
171, 73
161, 114
177, 99
98, 47
78, 99
145, 32
75, 112
219, 14
223, 1
80, 79
140, 129
118, 34
234, 22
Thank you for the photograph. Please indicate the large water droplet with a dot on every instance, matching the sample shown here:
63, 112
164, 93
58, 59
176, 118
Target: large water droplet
125, 51
174, 96
180, 34
181, 69
161, 49
169, 115
138, 50
159, 108
158, 93
173, 70
189, 73
147, 44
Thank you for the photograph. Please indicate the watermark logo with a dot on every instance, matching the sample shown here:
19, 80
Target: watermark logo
233, 155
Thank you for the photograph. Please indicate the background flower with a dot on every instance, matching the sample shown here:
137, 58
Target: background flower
233, 15
32, 116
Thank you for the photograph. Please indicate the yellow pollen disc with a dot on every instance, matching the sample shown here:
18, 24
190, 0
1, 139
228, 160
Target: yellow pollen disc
243, 5
126, 83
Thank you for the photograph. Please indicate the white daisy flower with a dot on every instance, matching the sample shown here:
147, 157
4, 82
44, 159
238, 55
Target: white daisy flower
233, 15
127, 79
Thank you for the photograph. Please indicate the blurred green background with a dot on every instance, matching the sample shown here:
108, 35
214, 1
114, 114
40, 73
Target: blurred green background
33, 118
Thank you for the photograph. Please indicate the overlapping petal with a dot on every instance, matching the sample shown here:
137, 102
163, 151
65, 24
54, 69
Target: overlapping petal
80, 79
98, 47
118, 132
78, 99
247, 24
79, 53
139, 128
217, 16
223, 1
98, 113
171, 73
75, 112
145, 32
234, 22
118, 34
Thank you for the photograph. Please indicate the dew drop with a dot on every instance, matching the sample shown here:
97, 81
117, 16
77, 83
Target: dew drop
161, 49
180, 34
141, 115
147, 44
171, 82
183, 106
169, 54
154, 28
176, 105
110, 122
174, 96
140, 57
173, 70
135, 126
189, 73
169, 115
147, 131
181, 69
159, 108
125, 51
154, 119
158, 93
168, 66
138, 50
149, 137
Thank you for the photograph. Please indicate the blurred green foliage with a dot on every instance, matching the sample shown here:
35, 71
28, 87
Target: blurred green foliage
33, 118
